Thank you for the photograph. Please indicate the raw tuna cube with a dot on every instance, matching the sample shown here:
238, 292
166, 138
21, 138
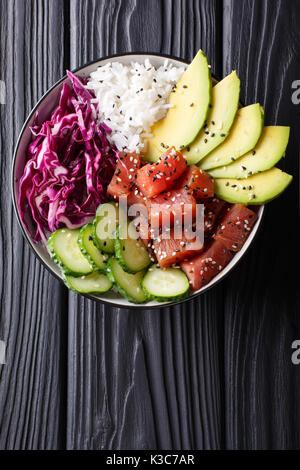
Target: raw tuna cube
235, 227
153, 179
203, 268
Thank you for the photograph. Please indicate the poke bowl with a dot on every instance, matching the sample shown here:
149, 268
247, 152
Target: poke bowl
44, 109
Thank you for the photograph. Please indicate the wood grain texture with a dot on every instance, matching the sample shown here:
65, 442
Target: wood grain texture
261, 315
33, 307
148, 379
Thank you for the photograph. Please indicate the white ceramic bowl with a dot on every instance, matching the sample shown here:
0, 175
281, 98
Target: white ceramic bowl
45, 106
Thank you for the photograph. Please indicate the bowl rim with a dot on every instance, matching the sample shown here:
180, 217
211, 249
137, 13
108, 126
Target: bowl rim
100, 299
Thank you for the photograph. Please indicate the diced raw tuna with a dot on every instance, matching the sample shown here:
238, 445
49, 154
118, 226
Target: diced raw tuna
171, 205
201, 269
135, 197
124, 177
235, 227
173, 251
198, 181
153, 179
213, 209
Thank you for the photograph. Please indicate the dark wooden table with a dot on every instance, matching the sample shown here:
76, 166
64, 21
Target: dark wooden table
213, 373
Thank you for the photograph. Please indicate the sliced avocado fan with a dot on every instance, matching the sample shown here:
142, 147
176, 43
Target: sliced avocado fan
225, 102
243, 136
191, 100
268, 151
257, 189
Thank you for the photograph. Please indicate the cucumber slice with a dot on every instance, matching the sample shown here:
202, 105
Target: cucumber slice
104, 226
165, 284
94, 283
128, 285
130, 251
64, 250
96, 258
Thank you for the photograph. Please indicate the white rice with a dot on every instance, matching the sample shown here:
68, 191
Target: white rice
131, 98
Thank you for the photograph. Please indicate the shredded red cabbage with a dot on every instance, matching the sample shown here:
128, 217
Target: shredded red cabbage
69, 164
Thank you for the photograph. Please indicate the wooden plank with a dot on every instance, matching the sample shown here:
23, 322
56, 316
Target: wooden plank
147, 379
261, 317
33, 304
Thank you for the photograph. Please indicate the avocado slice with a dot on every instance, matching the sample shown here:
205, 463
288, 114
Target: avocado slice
243, 136
268, 151
191, 100
225, 102
257, 189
